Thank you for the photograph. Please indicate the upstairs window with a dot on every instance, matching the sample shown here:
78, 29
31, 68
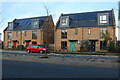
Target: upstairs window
35, 23
17, 33
89, 31
63, 34
10, 25
9, 35
25, 33
64, 21
76, 31
102, 30
103, 19
34, 34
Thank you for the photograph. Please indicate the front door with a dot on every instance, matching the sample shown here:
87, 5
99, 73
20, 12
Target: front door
14, 44
93, 43
9, 44
72, 46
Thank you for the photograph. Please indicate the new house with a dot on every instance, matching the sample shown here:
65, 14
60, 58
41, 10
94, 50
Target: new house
35, 30
119, 23
73, 28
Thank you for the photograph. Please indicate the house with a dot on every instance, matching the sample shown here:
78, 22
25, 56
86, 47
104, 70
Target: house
73, 28
119, 24
35, 30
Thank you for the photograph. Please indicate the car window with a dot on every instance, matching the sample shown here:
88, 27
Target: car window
35, 46
30, 46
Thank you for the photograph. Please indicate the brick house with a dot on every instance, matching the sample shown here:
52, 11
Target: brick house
119, 23
73, 28
35, 30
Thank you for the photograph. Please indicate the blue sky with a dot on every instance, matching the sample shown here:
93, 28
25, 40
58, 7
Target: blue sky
12, 10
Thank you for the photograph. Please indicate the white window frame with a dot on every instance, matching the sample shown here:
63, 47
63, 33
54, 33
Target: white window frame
103, 18
9, 35
64, 21
10, 25
102, 30
36, 23
89, 31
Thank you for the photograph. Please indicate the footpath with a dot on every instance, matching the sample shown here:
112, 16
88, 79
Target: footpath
75, 61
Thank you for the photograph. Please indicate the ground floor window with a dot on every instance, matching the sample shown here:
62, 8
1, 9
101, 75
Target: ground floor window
103, 45
34, 42
9, 44
64, 45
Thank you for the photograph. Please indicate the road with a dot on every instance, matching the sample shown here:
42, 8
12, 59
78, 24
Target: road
22, 69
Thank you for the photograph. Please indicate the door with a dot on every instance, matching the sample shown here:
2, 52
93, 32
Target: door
93, 43
72, 46
14, 44
9, 44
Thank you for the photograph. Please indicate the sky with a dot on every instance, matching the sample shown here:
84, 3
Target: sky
9, 10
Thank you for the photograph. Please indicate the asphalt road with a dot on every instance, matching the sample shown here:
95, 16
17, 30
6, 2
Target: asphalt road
21, 69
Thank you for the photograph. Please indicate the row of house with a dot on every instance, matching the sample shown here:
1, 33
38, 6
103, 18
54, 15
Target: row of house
119, 24
70, 29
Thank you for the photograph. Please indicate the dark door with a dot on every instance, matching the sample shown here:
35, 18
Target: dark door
93, 43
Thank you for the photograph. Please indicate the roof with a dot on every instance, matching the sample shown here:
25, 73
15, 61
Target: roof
87, 19
25, 23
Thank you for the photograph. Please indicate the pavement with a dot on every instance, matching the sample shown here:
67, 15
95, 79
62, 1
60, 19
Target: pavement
99, 61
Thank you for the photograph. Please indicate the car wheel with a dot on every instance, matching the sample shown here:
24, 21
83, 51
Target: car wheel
41, 51
28, 51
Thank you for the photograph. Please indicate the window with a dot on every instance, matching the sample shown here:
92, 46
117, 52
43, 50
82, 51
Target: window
89, 31
103, 19
64, 45
10, 25
25, 33
103, 45
102, 30
34, 35
64, 21
34, 42
9, 35
64, 34
36, 23
17, 33
76, 31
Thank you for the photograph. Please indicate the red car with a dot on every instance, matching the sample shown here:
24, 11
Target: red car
36, 48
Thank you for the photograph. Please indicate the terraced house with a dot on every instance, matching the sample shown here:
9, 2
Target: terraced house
71, 29
35, 30
119, 22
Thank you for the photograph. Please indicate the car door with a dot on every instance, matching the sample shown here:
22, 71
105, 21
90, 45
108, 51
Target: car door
36, 49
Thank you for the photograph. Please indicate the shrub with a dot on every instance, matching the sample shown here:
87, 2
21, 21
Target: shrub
85, 45
111, 47
20, 47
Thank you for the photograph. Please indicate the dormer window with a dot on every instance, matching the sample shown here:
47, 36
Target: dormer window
64, 21
36, 23
103, 19
10, 25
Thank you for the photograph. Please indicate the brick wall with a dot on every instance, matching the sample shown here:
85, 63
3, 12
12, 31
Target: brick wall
82, 34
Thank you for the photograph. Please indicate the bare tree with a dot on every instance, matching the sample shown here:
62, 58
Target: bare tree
46, 9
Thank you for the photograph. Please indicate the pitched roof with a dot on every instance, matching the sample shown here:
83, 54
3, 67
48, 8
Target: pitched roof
87, 19
25, 24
